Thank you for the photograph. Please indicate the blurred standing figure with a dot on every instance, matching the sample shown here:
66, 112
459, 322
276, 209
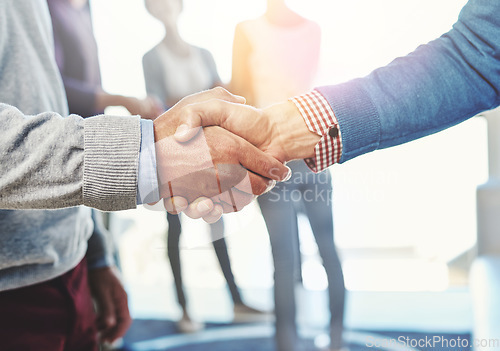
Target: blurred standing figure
77, 59
274, 57
174, 69
56, 268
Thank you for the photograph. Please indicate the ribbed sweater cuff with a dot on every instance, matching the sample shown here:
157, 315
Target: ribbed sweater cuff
111, 162
357, 116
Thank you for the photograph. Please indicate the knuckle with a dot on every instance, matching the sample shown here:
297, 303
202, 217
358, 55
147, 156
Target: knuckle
220, 91
217, 104
187, 111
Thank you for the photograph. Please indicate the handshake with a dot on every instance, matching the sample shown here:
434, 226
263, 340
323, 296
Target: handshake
215, 154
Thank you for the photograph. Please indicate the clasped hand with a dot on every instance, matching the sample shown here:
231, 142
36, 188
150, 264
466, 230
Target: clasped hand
207, 171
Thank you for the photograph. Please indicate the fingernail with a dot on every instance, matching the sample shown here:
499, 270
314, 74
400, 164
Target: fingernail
270, 186
203, 207
289, 175
180, 204
182, 130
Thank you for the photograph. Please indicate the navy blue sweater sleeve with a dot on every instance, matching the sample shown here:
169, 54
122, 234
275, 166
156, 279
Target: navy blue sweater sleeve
439, 85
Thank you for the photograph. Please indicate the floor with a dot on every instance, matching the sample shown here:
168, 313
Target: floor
448, 311
160, 335
393, 290
436, 307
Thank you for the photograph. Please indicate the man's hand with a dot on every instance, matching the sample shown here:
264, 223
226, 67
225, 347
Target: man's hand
215, 162
177, 116
113, 317
212, 163
279, 129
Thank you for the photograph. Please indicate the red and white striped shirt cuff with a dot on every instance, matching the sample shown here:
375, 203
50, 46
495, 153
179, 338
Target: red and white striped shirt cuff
321, 120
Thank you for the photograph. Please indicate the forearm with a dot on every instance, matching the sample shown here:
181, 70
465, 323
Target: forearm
53, 162
437, 86
42, 160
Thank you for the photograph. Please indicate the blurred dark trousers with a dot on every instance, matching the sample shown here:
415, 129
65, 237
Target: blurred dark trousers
310, 194
220, 247
56, 315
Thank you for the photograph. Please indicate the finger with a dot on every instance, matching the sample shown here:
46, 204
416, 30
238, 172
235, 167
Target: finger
227, 208
184, 133
289, 175
262, 164
256, 185
215, 93
199, 208
219, 94
122, 316
250, 183
214, 215
235, 200
158, 206
175, 205
211, 112
217, 112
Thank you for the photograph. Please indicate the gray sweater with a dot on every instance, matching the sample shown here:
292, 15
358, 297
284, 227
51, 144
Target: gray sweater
49, 160
157, 72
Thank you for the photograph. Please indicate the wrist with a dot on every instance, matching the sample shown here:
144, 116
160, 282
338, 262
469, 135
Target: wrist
290, 131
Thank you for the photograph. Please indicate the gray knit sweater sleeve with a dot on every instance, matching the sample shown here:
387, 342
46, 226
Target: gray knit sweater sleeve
49, 162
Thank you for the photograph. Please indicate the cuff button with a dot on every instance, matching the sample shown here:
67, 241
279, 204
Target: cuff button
333, 132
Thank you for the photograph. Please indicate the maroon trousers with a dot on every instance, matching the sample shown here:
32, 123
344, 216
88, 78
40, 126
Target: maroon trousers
56, 315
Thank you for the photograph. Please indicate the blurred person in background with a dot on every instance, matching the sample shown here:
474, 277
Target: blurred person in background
78, 62
52, 272
77, 59
174, 69
274, 57
55, 265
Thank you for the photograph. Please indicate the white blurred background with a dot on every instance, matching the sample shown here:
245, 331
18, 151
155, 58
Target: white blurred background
403, 217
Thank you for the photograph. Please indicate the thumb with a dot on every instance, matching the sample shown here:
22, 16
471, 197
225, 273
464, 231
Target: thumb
185, 132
